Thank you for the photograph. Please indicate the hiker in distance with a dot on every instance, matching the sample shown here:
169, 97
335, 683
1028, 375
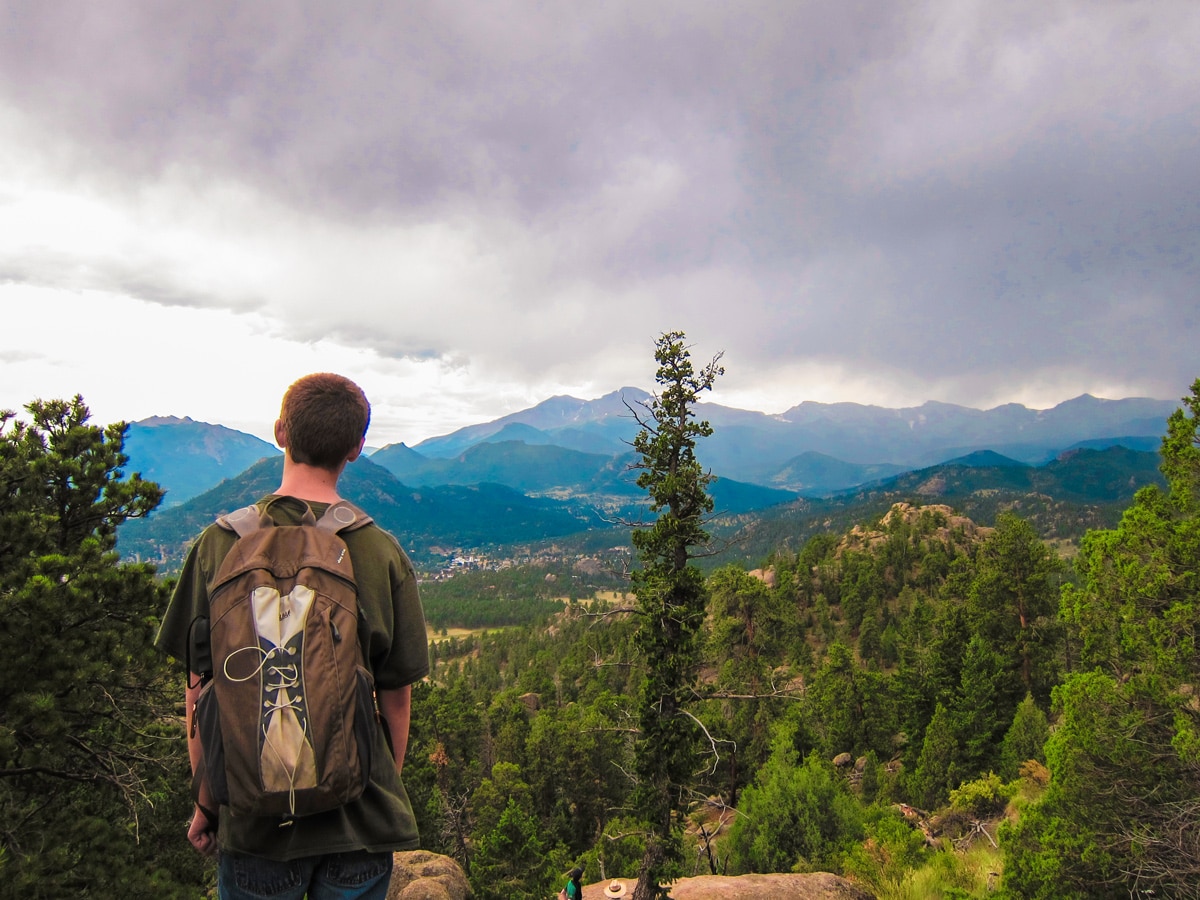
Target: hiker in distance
573, 889
302, 630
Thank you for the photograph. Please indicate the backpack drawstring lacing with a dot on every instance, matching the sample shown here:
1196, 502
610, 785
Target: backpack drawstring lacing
286, 677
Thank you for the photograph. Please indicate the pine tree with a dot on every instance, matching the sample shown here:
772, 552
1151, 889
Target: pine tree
511, 860
749, 625
1013, 601
980, 713
869, 786
937, 770
796, 816
91, 755
671, 597
849, 709
1025, 738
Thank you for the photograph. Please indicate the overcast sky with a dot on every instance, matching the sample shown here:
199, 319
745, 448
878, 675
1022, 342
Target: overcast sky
469, 207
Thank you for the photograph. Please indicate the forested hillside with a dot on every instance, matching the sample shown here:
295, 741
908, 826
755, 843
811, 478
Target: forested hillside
1082, 489
929, 706
878, 703
907, 645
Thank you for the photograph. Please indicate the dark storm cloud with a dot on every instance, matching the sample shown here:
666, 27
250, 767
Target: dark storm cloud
970, 191
391, 108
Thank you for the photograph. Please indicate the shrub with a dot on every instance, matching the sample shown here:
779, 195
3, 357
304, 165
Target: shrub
982, 798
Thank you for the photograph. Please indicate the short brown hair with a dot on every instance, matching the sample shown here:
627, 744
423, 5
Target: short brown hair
326, 417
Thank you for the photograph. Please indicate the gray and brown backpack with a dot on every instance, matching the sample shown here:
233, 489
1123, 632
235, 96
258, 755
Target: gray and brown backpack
287, 716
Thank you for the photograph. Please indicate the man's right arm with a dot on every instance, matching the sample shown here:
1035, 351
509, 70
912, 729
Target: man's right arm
396, 708
202, 832
184, 635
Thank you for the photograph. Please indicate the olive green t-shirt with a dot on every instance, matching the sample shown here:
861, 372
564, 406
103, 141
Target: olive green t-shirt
397, 653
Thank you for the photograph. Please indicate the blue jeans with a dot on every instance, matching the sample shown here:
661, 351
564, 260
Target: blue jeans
338, 876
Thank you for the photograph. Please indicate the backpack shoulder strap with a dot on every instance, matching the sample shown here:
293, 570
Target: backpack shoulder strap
340, 516
246, 520
343, 516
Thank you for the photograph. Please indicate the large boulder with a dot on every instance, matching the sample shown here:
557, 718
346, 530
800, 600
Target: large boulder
421, 875
815, 886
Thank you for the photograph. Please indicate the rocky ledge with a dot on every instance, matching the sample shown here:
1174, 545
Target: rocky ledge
815, 886
420, 875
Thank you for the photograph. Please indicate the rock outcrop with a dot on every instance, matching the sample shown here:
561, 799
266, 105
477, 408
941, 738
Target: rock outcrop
860, 537
421, 875
815, 886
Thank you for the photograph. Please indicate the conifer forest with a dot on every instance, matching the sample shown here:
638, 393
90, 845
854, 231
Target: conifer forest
925, 705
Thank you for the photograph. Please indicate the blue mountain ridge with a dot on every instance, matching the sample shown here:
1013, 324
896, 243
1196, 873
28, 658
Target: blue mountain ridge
566, 446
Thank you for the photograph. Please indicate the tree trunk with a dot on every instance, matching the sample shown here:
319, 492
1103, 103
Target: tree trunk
645, 890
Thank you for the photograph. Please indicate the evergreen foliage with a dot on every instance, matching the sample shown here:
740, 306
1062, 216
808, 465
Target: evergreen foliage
982, 797
1012, 603
848, 707
752, 628
1121, 813
1025, 739
671, 597
795, 817
892, 852
562, 702
509, 859
91, 749
922, 643
937, 770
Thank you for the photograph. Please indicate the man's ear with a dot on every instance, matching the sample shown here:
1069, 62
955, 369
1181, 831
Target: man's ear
281, 434
357, 452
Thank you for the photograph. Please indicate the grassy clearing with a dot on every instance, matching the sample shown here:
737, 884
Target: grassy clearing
946, 874
440, 635
612, 598
615, 597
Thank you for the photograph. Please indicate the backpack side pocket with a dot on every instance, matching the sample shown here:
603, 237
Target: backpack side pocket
208, 724
365, 721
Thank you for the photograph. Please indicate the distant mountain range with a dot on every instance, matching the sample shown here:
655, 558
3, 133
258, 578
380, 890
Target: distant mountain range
775, 450
566, 446
565, 465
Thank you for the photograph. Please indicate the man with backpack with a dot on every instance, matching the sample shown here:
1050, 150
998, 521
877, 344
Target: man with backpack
303, 633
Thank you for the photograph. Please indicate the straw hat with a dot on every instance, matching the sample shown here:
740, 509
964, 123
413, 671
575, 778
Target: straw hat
615, 889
